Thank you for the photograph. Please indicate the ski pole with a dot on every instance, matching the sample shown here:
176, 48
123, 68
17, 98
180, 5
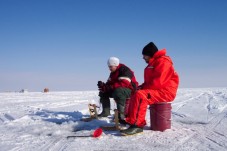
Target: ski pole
96, 133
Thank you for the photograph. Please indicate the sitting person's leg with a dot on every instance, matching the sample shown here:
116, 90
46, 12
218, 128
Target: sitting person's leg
120, 95
105, 101
137, 111
138, 108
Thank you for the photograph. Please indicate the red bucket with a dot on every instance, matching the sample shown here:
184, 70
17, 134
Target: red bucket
160, 116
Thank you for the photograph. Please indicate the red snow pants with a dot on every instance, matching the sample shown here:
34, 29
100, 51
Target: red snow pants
139, 102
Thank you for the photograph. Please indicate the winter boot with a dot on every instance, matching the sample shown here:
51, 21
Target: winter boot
105, 107
121, 115
132, 130
105, 112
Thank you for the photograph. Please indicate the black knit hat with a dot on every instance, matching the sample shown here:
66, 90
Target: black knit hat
149, 49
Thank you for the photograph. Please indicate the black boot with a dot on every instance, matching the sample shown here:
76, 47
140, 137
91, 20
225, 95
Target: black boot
132, 130
105, 107
121, 115
105, 112
123, 122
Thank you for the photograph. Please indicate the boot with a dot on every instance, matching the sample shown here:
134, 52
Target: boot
132, 130
123, 122
105, 112
105, 108
121, 115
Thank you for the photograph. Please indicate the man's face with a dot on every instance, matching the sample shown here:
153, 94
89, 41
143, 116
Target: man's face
146, 58
113, 68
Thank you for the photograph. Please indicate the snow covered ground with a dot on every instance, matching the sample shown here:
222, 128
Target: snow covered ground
41, 121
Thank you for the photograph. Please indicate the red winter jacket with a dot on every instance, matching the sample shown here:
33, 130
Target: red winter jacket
160, 75
122, 77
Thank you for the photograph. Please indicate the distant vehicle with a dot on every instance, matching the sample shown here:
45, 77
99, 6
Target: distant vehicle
24, 91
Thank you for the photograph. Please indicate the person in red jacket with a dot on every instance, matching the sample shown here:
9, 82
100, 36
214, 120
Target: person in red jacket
120, 84
160, 85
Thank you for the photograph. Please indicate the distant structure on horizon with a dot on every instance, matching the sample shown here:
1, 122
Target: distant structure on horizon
23, 90
46, 90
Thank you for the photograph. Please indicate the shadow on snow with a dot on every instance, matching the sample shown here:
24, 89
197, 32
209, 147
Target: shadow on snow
75, 117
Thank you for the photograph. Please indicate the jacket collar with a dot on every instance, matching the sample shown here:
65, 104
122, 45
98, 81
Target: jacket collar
157, 55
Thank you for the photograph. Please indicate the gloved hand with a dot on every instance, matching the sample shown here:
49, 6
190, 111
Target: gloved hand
100, 84
103, 87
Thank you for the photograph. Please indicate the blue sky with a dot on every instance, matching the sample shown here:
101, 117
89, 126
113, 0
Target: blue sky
64, 45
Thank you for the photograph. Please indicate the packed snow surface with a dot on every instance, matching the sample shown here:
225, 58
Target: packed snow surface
41, 121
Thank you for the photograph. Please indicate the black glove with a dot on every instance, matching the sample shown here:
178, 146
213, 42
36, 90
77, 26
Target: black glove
100, 84
103, 87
